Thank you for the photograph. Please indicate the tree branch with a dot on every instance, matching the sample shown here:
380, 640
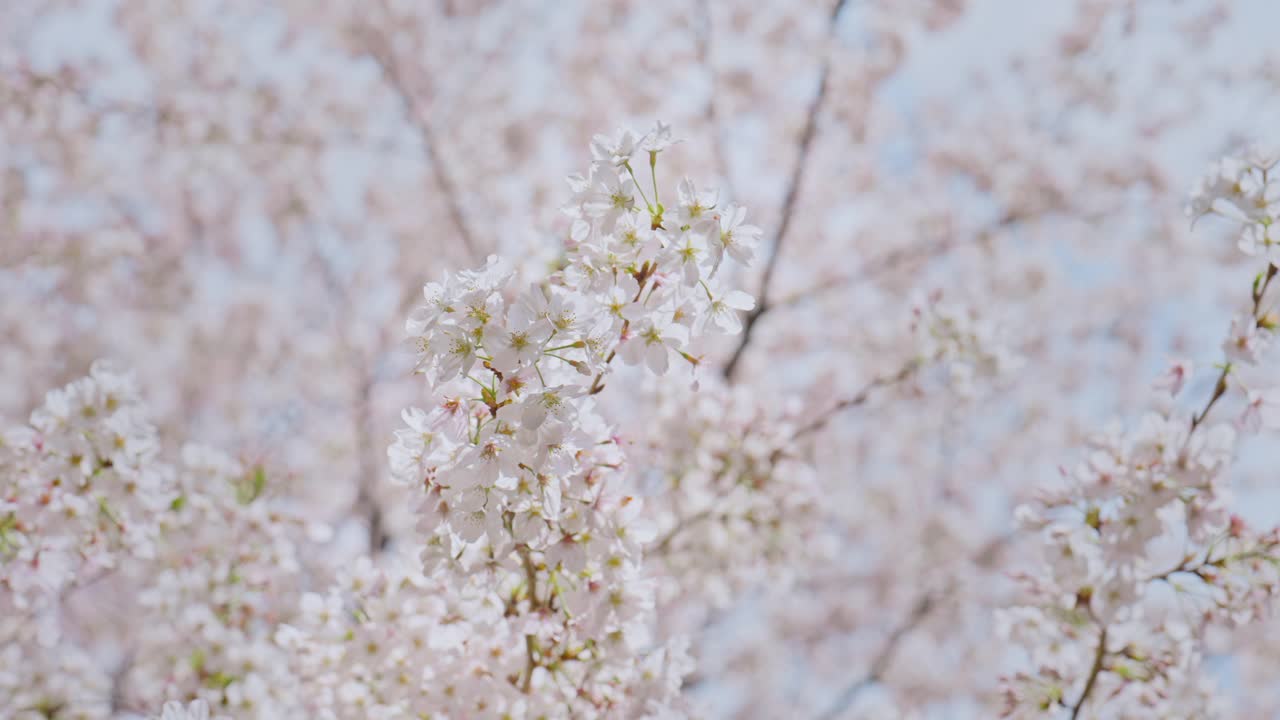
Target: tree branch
430, 145
788, 199
894, 258
882, 659
1260, 286
711, 113
366, 502
1094, 671
858, 398
661, 545
986, 556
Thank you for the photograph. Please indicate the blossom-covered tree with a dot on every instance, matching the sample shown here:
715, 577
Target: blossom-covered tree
325, 396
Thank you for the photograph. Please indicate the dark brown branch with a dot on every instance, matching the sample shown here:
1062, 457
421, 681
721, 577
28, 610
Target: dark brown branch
1219, 389
367, 462
1094, 671
788, 199
118, 679
1259, 292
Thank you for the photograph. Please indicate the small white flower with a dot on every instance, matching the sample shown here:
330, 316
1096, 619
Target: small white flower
1175, 377
613, 196
1246, 342
197, 710
697, 208
724, 313
737, 239
520, 341
554, 402
652, 344
658, 138
614, 151
459, 353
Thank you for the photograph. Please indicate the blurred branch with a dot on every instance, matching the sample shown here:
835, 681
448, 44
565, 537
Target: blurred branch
118, 677
660, 546
1099, 657
886, 262
366, 503
986, 557
711, 113
893, 259
862, 396
379, 50
365, 378
158, 116
880, 663
789, 198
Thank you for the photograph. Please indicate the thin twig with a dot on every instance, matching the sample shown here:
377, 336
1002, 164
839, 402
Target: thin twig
858, 398
986, 557
1259, 292
531, 577
660, 547
788, 199
891, 260
888, 261
1219, 390
881, 662
416, 114
1094, 671
711, 113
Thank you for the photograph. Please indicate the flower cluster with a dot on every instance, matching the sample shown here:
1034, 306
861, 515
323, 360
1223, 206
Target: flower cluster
395, 643
514, 452
1141, 530
224, 212
733, 506
80, 491
1244, 190
531, 598
227, 574
40, 680
526, 503
209, 558
197, 710
967, 344
571, 522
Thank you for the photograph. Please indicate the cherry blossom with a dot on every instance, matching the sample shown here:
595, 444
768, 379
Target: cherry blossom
792, 402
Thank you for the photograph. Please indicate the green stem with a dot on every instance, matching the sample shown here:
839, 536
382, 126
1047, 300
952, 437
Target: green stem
639, 188
653, 174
